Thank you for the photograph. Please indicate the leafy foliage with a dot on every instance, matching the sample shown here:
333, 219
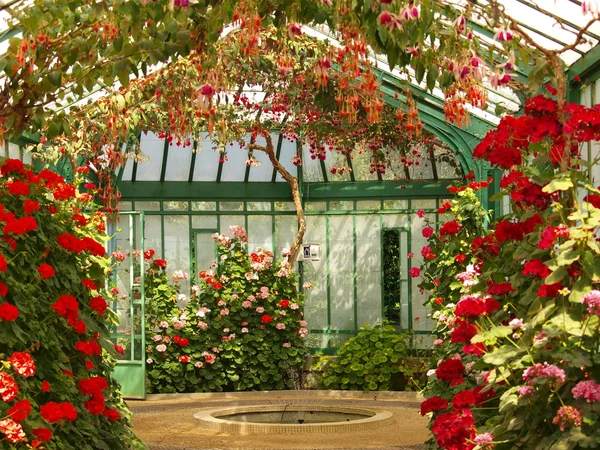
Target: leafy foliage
367, 361
56, 357
241, 329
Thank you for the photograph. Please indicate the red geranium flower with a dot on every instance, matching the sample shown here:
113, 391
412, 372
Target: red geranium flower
79, 327
184, 359
119, 349
549, 290
160, 263
18, 188
148, 254
8, 387
23, 364
68, 307
46, 271
453, 430
499, 288
427, 232
3, 264
111, 414
449, 228
21, 226
537, 268
42, 434
464, 332
99, 305
30, 206
19, 410
89, 347
284, 303
46, 386
93, 386
266, 319
90, 285
217, 286
433, 404
8, 312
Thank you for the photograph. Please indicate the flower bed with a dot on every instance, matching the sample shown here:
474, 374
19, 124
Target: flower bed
241, 328
518, 306
55, 362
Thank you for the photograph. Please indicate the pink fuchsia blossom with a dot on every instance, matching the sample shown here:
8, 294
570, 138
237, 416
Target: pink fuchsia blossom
294, 306
592, 300
567, 416
589, 390
503, 35
246, 304
537, 371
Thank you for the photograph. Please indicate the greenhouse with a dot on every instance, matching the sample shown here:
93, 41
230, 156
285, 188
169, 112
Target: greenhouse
328, 224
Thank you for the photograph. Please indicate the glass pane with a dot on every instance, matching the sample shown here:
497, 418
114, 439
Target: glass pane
153, 148
341, 268
395, 204
316, 340
288, 151
368, 269
447, 163
205, 251
368, 204
177, 246
361, 165
207, 161
258, 206
179, 162
231, 206
147, 206
337, 161
260, 232
421, 169
125, 206
315, 272
284, 206
345, 205
227, 221
175, 206
263, 169
153, 234
316, 206
395, 220
204, 206
286, 228
204, 222
311, 168
234, 167
14, 151
423, 204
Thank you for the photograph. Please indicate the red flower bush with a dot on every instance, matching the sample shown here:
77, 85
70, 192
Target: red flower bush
45, 271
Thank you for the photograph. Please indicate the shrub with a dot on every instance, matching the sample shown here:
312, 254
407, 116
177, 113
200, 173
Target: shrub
241, 329
367, 361
56, 356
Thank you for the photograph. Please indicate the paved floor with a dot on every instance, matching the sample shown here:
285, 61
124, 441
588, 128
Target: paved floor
166, 423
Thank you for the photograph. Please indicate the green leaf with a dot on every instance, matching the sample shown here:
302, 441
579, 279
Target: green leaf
501, 355
55, 77
558, 184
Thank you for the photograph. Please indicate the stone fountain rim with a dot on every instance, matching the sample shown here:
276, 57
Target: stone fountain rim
208, 418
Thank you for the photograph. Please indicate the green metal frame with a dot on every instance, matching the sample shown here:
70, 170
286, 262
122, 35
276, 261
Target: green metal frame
131, 372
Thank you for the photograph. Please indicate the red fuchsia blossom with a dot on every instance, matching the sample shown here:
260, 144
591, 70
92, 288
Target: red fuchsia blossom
588, 390
45, 271
433, 404
12, 431
8, 312
19, 411
455, 430
8, 387
567, 417
23, 364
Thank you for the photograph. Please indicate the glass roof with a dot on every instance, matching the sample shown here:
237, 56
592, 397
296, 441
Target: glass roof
162, 161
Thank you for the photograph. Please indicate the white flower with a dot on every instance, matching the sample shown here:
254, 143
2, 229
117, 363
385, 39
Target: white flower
303, 323
225, 330
181, 297
436, 314
260, 310
244, 330
157, 338
280, 326
163, 324
199, 364
516, 323
438, 342
161, 348
294, 306
431, 372
149, 361
450, 306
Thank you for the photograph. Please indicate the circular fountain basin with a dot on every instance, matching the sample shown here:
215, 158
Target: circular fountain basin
291, 419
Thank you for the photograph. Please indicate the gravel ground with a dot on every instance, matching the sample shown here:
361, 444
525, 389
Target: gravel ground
168, 425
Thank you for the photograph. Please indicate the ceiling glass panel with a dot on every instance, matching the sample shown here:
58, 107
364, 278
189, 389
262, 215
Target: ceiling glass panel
311, 168
288, 150
178, 163
152, 148
207, 161
264, 170
234, 167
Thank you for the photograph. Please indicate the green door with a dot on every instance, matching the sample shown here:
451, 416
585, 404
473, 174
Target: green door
128, 277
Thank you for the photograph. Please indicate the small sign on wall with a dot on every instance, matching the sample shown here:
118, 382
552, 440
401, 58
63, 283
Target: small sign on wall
310, 252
